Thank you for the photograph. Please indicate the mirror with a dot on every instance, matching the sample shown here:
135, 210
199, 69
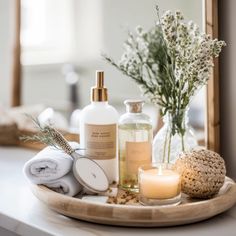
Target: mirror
61, 49
71, 37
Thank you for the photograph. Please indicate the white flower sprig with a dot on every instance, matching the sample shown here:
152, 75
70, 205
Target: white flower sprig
191, 52
170, 62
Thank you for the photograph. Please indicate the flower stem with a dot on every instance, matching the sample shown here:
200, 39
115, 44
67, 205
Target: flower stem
182, 142
169, 147
164, 150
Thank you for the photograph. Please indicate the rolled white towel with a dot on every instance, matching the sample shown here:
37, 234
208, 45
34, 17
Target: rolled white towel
67, 185
49, 164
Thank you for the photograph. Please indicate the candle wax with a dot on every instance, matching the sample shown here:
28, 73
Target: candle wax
159, 186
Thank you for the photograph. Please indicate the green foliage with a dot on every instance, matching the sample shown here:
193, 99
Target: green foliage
170, 63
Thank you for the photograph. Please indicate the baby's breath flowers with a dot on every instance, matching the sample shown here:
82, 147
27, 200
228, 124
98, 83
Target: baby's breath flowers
170, 62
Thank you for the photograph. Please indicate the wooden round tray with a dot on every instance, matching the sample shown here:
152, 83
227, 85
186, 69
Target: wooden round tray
189, 211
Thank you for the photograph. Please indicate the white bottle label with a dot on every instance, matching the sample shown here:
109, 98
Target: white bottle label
100, 141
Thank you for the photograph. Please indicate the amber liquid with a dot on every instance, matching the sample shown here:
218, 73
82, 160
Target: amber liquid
131, 135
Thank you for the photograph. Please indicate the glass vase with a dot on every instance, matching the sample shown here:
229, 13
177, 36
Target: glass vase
173, 138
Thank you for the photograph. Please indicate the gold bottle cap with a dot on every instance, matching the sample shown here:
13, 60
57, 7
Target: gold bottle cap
134, 105
99, 93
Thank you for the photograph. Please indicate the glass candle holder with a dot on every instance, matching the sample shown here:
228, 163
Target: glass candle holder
159, 185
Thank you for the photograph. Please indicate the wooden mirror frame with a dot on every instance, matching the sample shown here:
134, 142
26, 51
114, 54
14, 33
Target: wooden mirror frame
212, 125
16, 67
213, 100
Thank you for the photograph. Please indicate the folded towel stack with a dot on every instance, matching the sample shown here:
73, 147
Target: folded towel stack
67, 185
52, 168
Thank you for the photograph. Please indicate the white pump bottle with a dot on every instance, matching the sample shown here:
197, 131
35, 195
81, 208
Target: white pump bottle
98, 129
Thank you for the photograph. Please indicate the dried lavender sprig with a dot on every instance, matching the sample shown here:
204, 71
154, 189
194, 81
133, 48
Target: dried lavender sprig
49, 136
39, 137
60, 140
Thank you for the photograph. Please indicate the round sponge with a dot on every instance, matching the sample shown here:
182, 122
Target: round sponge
202, 171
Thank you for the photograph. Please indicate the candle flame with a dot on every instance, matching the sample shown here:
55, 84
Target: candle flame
160, 170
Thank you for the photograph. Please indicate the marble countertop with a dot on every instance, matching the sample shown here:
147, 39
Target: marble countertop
21, 212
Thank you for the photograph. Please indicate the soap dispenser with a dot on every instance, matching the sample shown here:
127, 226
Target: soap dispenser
98, 129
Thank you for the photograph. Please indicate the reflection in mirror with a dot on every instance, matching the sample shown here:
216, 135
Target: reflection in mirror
62, 46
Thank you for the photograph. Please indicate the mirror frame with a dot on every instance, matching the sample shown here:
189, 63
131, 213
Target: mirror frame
213, 99
212, 122
16, 83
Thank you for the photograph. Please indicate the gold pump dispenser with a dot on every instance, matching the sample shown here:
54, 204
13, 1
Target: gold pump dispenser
99, 93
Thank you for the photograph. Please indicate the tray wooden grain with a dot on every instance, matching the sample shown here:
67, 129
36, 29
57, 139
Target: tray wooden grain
189, 211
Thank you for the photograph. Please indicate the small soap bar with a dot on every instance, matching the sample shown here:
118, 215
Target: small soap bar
99, 199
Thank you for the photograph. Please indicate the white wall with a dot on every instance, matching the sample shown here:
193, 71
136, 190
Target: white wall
102, 27
227, 18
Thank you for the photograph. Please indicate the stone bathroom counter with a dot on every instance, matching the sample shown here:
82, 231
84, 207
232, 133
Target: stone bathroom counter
22, 213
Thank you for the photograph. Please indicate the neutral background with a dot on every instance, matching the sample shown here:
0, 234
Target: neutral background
98, 26
90, 28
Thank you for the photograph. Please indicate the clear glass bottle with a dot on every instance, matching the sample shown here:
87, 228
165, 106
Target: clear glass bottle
135, 141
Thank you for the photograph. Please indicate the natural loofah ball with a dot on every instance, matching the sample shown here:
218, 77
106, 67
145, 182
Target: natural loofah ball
202, 171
